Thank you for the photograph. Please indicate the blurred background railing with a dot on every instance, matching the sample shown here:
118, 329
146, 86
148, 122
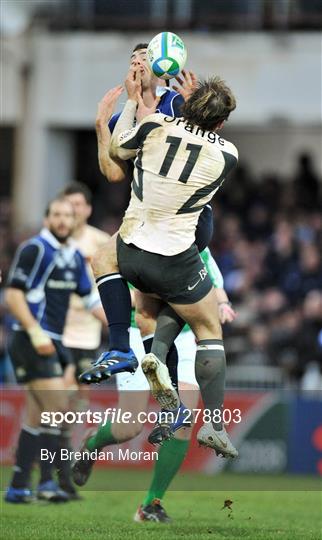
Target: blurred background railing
204, 15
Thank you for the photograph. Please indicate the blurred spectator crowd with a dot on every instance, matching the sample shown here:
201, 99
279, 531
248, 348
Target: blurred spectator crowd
268, 245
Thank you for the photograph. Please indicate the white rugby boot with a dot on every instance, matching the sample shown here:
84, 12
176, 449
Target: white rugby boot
160, 383
217, 440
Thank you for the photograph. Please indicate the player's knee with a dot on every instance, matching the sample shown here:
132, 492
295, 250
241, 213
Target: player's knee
136, 429
207, 327
126, 432
104, 261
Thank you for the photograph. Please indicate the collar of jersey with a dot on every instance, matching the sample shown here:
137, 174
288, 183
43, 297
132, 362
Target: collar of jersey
161, 90
52, 240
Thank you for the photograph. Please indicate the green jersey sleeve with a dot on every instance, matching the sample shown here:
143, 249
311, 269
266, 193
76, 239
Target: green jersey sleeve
213, 270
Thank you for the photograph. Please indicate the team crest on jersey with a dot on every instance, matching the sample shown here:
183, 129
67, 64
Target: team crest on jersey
61, 262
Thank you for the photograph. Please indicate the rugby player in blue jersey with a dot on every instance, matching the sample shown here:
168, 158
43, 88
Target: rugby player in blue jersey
46, 270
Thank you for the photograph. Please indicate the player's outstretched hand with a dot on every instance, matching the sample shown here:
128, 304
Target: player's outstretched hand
107, 104
143, 110
187, 84
226, 312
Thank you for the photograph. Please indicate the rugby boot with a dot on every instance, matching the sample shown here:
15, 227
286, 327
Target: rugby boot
152, 512
169, 422
108, 364
217, 440
160, 383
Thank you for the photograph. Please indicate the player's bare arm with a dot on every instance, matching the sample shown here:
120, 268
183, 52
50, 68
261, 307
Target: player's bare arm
112, 168
16, 302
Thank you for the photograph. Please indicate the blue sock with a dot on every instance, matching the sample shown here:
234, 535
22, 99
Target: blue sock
116, 302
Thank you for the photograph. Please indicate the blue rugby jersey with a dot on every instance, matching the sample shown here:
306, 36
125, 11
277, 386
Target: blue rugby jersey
49, 272
169, 104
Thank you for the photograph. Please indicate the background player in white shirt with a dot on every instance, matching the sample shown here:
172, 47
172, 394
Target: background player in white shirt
89, 239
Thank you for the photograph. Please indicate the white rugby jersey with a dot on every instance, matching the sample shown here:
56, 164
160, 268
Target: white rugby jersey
178, 169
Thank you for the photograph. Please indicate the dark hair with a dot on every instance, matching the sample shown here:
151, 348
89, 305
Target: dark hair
60, 198
78, 187
140, 46
210, 104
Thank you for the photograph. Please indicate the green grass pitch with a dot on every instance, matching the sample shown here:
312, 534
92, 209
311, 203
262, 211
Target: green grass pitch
266, 512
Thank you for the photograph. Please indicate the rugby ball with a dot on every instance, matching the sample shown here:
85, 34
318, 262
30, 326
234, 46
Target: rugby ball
166, 54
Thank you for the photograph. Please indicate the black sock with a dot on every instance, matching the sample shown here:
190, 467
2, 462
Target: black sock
27, 450
48, 440
116, 302
63, 465
172, 359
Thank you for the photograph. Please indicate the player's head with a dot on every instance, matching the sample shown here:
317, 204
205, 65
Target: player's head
209, 105
60, 218
139, 60
80, 197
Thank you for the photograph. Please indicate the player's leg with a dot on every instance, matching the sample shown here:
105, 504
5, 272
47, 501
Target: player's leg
26, 454
77, 396
210, 367
174, 450
116, 301
147, 312
155, 363
133, 397
31, 369
111, 433
50, 396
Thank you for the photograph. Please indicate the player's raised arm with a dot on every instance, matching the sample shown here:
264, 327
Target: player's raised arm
114, 169
126, 120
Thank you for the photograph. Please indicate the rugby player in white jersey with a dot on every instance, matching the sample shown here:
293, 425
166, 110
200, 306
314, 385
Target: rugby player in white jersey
103, 439
180, 164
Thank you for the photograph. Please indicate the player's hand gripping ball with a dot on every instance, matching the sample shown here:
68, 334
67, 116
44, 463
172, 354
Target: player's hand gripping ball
166, 54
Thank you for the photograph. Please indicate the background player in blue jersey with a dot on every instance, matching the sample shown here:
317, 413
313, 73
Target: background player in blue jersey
45, 271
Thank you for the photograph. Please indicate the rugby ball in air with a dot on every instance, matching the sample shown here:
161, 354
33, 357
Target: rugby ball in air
166, 54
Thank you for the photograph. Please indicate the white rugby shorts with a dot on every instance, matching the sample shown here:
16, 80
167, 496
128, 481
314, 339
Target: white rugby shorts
186, 346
